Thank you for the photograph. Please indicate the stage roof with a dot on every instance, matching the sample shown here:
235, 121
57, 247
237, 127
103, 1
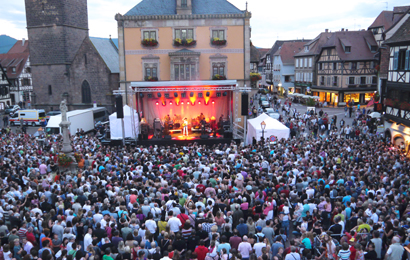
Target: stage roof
147, 84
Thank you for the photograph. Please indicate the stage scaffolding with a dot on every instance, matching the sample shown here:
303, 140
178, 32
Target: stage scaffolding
133, 97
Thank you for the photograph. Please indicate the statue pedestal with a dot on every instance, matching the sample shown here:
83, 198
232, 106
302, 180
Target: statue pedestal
66, 138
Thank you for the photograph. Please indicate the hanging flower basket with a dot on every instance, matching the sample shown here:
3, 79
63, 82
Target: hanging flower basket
149, 42
217, 41
405, 106
255, 77
376, 96
219, 77
149, 78
77, 157
183, 42
64, 160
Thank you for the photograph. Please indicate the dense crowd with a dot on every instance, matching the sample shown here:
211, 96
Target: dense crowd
328, 195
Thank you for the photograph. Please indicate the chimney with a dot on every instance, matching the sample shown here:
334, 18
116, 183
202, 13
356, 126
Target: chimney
326, 30
347, 30
23, 41
343, 29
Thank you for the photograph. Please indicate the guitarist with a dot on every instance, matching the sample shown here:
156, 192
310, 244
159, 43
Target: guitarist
203, 123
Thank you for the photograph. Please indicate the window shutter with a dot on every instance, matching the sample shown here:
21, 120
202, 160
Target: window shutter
396, 61
406, 66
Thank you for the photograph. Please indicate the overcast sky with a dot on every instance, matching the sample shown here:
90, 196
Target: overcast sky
271, 20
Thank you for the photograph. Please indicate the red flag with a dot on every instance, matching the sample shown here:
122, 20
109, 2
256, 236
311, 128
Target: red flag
371, 103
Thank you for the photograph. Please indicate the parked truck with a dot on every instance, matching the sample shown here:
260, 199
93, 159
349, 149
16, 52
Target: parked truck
80, 119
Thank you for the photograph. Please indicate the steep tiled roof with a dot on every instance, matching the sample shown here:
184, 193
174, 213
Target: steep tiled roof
359, 42
16, 60
384, 19
288, 51
19, 47
108, 52
168, 7
315, 45
255, 56
402, 34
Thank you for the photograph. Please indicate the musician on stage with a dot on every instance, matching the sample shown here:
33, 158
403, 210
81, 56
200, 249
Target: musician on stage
167, 118
185, 127
203, 123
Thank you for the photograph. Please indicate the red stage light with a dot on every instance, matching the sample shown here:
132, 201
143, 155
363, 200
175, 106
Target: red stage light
187, 103
199, 102
170, 103
213, 102
182, 102
156, 103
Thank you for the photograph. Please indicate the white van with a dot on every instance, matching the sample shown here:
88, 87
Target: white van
31, 117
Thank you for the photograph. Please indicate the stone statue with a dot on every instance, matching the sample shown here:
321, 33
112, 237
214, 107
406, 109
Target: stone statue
63, 109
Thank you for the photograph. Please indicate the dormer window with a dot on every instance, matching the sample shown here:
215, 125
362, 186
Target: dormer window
347, 49
184, 3
373, 48
306, 48
13, 70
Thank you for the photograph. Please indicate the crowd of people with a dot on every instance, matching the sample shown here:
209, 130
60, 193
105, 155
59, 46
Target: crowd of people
333, 197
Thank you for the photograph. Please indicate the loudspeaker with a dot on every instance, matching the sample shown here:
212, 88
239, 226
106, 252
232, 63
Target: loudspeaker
168, 137
205, 136
118, 104
245, 105
227, 134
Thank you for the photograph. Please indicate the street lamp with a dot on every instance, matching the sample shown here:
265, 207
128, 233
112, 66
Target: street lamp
263, 126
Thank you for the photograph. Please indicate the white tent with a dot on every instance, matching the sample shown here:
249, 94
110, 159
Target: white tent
273, 127
116, 127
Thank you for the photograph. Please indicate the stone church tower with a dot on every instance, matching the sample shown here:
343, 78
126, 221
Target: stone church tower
65, 63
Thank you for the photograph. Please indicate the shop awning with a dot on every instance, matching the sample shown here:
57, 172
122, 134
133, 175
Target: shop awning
324, 90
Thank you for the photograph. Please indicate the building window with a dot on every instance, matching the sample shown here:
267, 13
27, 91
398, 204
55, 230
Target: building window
334, 66
373, 48
351, 80
334, 80
322, 80
362, 80
374, 80
184, 3
151, 72
149, 35
306, 64
50, 90
400, 58
287, 78
347, 48
306, 48
375, 31
13, 70
297, 63
220, 34
184, 71
329, 52
184, 34
328, 81
86, 92
28, 70
319, 66
353, 65
85, 58
218, 69
310, 62
26, 82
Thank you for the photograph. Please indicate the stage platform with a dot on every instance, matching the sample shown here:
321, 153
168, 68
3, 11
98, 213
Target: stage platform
178, 139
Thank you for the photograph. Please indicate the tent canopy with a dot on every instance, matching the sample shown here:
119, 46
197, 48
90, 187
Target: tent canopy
116, 126
273, 127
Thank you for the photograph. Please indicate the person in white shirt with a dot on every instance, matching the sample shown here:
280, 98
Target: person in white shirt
88, 239
245, 248
174, 223
151, 225
293, 255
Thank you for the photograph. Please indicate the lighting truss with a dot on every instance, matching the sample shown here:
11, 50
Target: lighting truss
180, 89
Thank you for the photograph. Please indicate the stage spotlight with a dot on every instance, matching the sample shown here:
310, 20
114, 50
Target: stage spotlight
199, 102
159, 94
141, 95
213, 102
182, 102
170, 102
164, 103
208, 94
218, 94
175, 94
225, 94
191, 94
156, 103
183, 94
187, 103
200, 94
149, 95
166, 95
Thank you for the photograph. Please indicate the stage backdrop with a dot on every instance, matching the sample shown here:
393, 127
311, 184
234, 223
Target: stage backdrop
151, 110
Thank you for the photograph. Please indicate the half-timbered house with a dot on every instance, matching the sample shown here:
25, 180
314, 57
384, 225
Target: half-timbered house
396, 92
346, 68
4, 89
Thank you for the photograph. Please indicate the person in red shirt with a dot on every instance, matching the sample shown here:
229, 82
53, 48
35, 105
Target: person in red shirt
30, 236
183, 217
352, 249
201, 250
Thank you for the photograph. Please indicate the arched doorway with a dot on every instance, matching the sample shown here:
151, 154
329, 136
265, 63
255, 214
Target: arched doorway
86, 92
398, 140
